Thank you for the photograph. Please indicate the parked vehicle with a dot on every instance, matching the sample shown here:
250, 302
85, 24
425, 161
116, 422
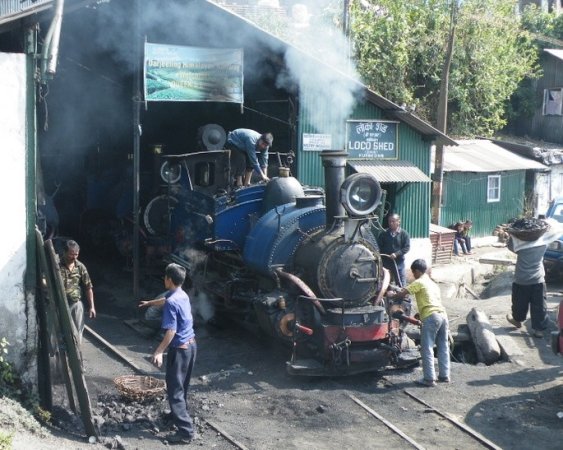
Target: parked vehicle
553, 258
553, 263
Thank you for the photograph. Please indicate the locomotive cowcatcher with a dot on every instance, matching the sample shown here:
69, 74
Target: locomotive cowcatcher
300, 264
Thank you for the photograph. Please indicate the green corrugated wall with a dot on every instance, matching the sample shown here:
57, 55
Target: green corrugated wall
413, 202
465, 197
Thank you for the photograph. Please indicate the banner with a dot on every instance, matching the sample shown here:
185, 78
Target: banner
176, 73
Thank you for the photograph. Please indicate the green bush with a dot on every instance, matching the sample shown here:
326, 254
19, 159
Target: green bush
9, 380
6, 440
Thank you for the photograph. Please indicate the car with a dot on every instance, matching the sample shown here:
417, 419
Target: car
553, 263
553, 258
557, 336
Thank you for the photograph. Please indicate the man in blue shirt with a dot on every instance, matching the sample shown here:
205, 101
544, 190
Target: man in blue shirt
249, 152
179, 338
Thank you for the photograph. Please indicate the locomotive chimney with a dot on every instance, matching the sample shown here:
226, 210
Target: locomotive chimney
334, 162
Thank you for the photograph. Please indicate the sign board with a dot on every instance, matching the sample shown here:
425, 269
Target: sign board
175, 73
317, 142
372, 139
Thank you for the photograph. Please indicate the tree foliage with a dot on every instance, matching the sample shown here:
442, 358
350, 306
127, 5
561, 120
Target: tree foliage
400, 48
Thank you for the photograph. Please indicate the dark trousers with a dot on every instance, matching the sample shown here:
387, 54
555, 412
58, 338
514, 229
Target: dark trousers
179, 366
533, 295
397, 270
240, 161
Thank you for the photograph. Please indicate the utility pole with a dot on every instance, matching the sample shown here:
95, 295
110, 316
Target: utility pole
442, 119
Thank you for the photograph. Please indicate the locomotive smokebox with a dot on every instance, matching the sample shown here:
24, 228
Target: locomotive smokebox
334, 163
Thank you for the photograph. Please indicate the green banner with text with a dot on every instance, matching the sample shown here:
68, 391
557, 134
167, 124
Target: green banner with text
176, 73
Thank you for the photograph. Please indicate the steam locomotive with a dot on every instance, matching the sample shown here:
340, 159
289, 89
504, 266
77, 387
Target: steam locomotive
300, 264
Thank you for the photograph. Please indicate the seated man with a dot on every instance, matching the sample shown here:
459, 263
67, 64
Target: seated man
249, 151
459, 240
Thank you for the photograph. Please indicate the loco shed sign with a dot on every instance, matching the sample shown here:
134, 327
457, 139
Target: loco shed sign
372, 139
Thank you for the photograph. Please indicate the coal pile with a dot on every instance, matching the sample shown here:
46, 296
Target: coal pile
528, 229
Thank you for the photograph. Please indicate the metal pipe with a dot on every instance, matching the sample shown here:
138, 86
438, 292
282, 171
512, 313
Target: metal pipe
303, 287
50, 52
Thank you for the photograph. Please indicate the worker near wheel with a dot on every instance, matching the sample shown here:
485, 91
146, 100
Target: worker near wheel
179, 339
249, 152
435, 325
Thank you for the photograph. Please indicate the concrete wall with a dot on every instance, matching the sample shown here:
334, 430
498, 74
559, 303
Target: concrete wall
17, 311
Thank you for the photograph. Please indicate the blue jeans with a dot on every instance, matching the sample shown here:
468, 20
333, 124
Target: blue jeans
179, 367
435, 331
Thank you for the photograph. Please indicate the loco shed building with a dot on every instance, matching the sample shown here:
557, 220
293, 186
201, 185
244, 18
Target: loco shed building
84, 140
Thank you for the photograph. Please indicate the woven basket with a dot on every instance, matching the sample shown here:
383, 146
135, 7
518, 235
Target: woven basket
527, 235
139, 387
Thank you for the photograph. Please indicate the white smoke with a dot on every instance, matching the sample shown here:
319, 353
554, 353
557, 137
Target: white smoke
202, 307
320, 64
317, 61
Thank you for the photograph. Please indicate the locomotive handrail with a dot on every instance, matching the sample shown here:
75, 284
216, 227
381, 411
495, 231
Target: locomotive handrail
395, 269
329, 300
338, 301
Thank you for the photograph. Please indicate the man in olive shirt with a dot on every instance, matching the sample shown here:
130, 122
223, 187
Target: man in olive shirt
76, 282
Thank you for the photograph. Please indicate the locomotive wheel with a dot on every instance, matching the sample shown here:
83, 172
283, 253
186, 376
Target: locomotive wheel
286, 324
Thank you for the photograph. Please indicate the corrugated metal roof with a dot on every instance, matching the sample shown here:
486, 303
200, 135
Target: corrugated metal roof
391, 171
481, 155
11, 10
555, 52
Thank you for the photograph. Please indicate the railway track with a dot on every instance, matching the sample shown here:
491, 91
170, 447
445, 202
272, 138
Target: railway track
420, 425
398, 418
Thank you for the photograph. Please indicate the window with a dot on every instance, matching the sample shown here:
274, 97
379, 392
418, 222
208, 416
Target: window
552, 102
493, 188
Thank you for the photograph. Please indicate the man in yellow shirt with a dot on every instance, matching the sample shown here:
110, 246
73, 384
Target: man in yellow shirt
435, 326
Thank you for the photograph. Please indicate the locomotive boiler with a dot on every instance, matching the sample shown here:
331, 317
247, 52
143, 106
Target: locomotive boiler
295, 262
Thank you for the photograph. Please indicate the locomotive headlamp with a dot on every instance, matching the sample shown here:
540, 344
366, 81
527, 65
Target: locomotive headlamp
360, 194
170, 172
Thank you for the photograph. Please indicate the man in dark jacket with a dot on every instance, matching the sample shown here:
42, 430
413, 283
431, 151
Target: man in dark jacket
395, 242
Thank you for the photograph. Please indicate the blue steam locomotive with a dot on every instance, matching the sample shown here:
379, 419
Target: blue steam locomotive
300, 264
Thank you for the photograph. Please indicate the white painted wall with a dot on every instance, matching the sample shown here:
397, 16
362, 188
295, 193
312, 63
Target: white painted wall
420, 248
556, 181
15, 308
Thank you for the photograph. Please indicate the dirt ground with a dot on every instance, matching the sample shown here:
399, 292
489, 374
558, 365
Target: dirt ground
242, 396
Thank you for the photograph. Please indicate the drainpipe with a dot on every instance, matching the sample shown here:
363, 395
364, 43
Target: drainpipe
50, 52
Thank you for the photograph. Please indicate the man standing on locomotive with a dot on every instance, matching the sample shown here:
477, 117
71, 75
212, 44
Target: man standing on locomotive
249, 152
396, 243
